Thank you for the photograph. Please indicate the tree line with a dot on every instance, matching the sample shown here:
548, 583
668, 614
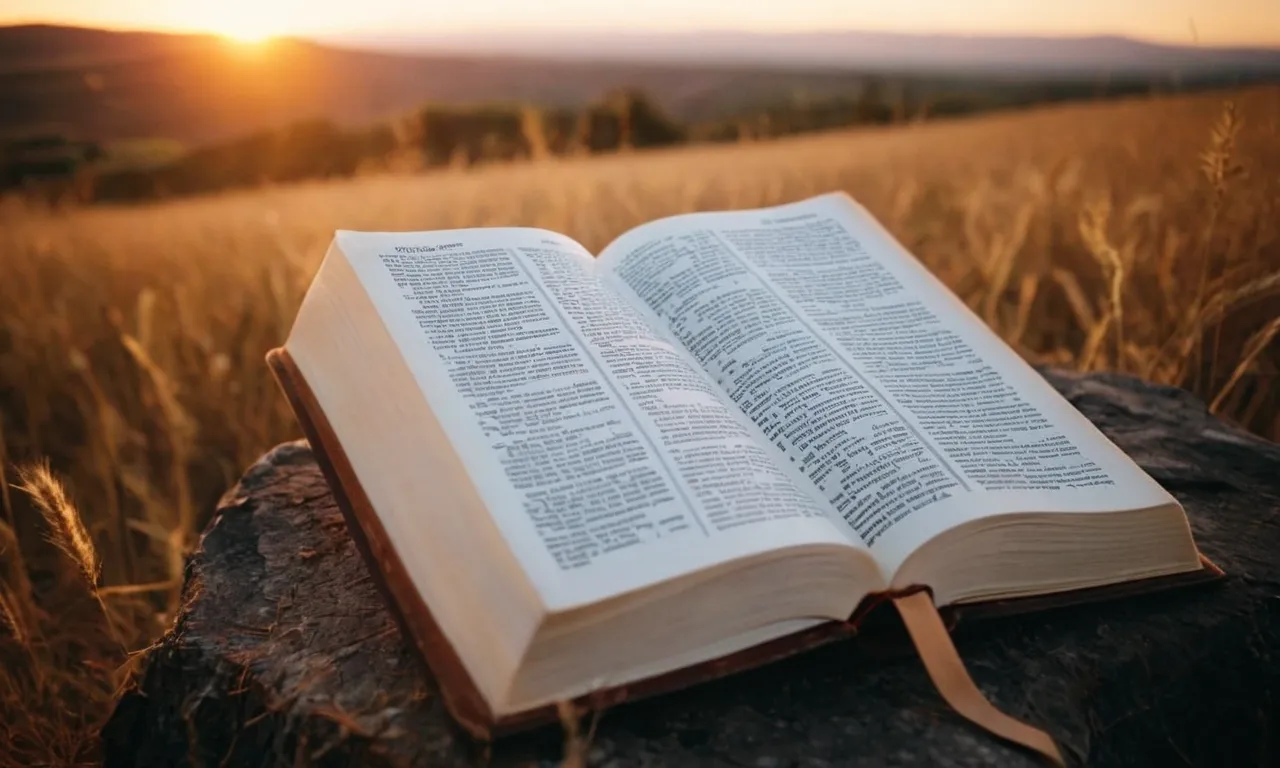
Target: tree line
439, 136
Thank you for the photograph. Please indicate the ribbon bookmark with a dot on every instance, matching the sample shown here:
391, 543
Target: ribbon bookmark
952, 680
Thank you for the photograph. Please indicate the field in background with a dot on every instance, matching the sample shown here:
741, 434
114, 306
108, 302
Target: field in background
1142, 236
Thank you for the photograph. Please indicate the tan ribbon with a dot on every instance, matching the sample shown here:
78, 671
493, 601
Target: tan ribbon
953, 681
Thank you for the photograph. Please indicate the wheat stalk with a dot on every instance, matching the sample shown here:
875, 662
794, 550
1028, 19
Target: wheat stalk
11, 619
1080, 305
67, 532
66, 529
180, 429
1093, 231
1219, 305
6, 503
1252, 348
18, 579
576, 743
534, 130
137, 589
1215, 160
574, 749
1027, 290
1217, 166
1227, 299
9, 544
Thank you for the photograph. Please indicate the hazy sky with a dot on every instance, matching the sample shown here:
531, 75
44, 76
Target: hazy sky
1213, 21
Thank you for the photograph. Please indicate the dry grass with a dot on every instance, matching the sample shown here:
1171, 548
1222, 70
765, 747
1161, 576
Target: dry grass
63, 653
1140, 236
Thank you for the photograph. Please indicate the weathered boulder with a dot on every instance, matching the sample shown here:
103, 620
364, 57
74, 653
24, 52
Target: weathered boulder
284, 652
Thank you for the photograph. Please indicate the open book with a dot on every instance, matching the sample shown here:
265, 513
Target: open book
726, 430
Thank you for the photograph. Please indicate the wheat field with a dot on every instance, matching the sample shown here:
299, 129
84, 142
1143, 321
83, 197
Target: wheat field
1141, 236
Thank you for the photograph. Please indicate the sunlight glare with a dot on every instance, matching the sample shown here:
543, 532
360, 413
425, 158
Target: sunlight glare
246, 35
247, 22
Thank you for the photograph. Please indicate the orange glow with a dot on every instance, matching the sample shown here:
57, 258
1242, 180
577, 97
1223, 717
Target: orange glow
247, 35
248, 22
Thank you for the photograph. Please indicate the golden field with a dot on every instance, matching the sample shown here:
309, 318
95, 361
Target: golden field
1141, 236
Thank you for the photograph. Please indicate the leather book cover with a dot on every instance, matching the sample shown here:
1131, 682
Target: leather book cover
459, 691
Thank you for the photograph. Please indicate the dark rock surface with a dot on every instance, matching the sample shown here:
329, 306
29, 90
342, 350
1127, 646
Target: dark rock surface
285, 654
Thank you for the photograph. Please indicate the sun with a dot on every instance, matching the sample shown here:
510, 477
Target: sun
244, 31
247, 35
247, 22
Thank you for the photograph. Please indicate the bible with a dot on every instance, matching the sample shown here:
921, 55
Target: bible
587, 478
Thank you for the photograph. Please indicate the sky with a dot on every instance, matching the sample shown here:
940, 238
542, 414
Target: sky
1210, 22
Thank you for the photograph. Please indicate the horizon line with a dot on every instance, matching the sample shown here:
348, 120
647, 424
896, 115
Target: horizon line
508, 32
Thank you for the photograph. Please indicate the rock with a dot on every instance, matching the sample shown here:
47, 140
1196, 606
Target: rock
284, 653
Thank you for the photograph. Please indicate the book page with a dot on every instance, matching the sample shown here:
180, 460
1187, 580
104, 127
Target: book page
896, 402
608, 459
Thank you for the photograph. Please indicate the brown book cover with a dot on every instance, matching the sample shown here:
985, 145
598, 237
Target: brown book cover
460, 693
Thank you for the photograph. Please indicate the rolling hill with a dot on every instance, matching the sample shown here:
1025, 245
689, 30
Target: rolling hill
992, 55
104, 86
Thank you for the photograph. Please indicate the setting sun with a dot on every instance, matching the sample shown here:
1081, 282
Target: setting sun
247, 21
246, 35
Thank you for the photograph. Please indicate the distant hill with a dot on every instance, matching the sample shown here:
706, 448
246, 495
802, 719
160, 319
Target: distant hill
104, 86
970, 54
112, 85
